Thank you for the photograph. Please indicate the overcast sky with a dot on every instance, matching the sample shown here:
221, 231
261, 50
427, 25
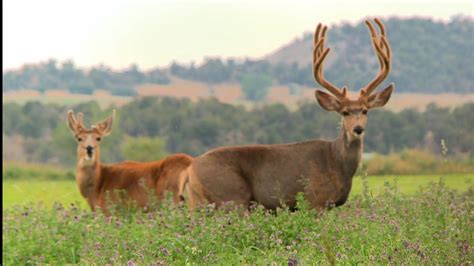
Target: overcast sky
118, 33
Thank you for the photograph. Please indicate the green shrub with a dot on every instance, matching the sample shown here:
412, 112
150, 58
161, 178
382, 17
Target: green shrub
413, 162
144, 149
16, 171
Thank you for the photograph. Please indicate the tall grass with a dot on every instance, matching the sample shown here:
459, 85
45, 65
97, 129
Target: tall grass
415, 162
434, 226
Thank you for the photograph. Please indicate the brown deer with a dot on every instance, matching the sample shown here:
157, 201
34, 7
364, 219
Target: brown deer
273, 174
99, 182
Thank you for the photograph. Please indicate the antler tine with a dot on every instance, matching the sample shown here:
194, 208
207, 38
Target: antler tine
373, 35
384, 39
319, 54
71, 117
383, 52
80, 119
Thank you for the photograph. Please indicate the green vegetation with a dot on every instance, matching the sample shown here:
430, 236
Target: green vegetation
196, 127
423, 61
66, 192
18, 171
432, 226
51, 75
144, 149
255, 87
32, 183
414, 162
45, 192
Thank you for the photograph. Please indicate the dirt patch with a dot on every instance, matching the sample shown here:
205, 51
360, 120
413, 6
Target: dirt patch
229, 93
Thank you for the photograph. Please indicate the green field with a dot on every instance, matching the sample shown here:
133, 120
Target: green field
431, 226
24, 191
387, 220
45, 191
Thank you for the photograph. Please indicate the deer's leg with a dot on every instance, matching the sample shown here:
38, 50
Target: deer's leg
320, 195
218, 187
101, 203
137, 195
195, 192
91, 204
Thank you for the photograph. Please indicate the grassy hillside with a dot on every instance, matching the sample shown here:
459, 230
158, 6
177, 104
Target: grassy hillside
428, 56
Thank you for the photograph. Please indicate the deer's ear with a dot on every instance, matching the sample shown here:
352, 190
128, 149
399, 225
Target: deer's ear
72, 122
105, 126
381, 98
327, 101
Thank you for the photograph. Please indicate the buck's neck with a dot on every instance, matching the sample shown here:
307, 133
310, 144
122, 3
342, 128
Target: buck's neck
347, 153
87, 175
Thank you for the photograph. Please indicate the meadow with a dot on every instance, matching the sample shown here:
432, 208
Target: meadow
47, 192
387, 220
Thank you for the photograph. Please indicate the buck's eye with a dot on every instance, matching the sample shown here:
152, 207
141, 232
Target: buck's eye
98, 139
79, 139
345, 113
364, 112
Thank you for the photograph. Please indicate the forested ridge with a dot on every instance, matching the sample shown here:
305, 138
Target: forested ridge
428, 57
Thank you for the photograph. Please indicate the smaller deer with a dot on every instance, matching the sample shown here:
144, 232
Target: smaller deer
98, 182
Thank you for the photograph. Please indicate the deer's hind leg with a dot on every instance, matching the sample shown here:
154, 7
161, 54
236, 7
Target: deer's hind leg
218, 187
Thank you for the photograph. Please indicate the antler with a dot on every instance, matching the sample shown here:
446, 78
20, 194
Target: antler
319, 53
75, 123
80, 119
382, 49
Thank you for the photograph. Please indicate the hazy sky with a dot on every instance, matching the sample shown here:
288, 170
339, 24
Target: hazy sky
118, 33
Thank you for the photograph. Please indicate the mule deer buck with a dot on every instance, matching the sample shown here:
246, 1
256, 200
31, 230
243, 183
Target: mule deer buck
97, 181
274, 174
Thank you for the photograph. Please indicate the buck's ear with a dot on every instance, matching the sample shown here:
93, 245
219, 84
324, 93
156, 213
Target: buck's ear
381, 98
105, 126
327, 101
71, 121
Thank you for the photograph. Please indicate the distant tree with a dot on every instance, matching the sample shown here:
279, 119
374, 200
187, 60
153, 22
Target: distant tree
81, 89
157, 76
132, 75
144, 149
294, 89
124, 91
255, 86
213, 71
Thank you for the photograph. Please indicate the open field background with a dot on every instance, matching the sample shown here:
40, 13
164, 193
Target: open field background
40, 183
65, 191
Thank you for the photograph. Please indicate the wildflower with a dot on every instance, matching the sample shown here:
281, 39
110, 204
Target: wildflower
165, 251
292, 262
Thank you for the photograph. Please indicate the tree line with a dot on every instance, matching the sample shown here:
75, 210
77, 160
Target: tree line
168, 125
65, 75
428, 57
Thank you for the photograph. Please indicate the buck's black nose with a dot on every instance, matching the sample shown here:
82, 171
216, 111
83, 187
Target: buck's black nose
358, 130
89, 150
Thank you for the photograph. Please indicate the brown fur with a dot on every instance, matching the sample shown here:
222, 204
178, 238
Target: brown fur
272, 175
98, 182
